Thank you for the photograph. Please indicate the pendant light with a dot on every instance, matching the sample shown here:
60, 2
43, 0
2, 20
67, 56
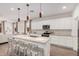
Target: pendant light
18, 14
40, 13
27, 11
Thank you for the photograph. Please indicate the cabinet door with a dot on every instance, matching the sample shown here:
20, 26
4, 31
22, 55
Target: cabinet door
62, 41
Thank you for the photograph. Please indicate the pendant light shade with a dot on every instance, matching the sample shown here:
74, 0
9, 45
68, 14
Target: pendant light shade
18, 8
40, 15
18, 19
18, 14
27, 17
27, 4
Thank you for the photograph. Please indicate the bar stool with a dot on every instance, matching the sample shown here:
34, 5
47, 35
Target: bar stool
21, 48
34, 49
9, 46
40, 52
25, 48
15, 46
29, 49
37, 51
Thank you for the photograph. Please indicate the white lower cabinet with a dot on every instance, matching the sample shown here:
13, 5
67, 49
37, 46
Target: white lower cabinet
3, 38
62, 41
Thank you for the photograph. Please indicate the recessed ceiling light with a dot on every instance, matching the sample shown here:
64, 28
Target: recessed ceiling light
12, 9
64, 7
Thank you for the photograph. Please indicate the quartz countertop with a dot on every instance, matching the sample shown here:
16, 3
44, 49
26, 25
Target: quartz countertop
33, 38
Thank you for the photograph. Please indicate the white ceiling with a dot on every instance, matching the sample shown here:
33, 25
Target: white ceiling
48, 9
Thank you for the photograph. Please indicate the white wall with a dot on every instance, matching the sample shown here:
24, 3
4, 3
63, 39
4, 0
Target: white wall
62, 23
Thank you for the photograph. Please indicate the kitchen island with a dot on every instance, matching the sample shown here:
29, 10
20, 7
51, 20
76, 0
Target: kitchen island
32, 45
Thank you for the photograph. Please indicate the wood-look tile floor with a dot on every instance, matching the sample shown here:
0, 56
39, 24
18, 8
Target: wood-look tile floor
3, 49
54, 51
58, 51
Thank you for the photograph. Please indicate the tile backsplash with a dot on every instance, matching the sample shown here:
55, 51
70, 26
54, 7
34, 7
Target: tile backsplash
58, 32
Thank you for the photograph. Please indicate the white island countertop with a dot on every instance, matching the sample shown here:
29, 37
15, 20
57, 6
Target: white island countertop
32, 38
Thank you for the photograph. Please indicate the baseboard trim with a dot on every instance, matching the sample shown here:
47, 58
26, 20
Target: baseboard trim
3, 43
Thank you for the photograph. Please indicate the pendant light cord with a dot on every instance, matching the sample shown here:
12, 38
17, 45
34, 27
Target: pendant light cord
18, 14
27, 11
40, 13
40, 7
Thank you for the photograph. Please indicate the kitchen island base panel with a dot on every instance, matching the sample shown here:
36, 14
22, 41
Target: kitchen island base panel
36, 48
